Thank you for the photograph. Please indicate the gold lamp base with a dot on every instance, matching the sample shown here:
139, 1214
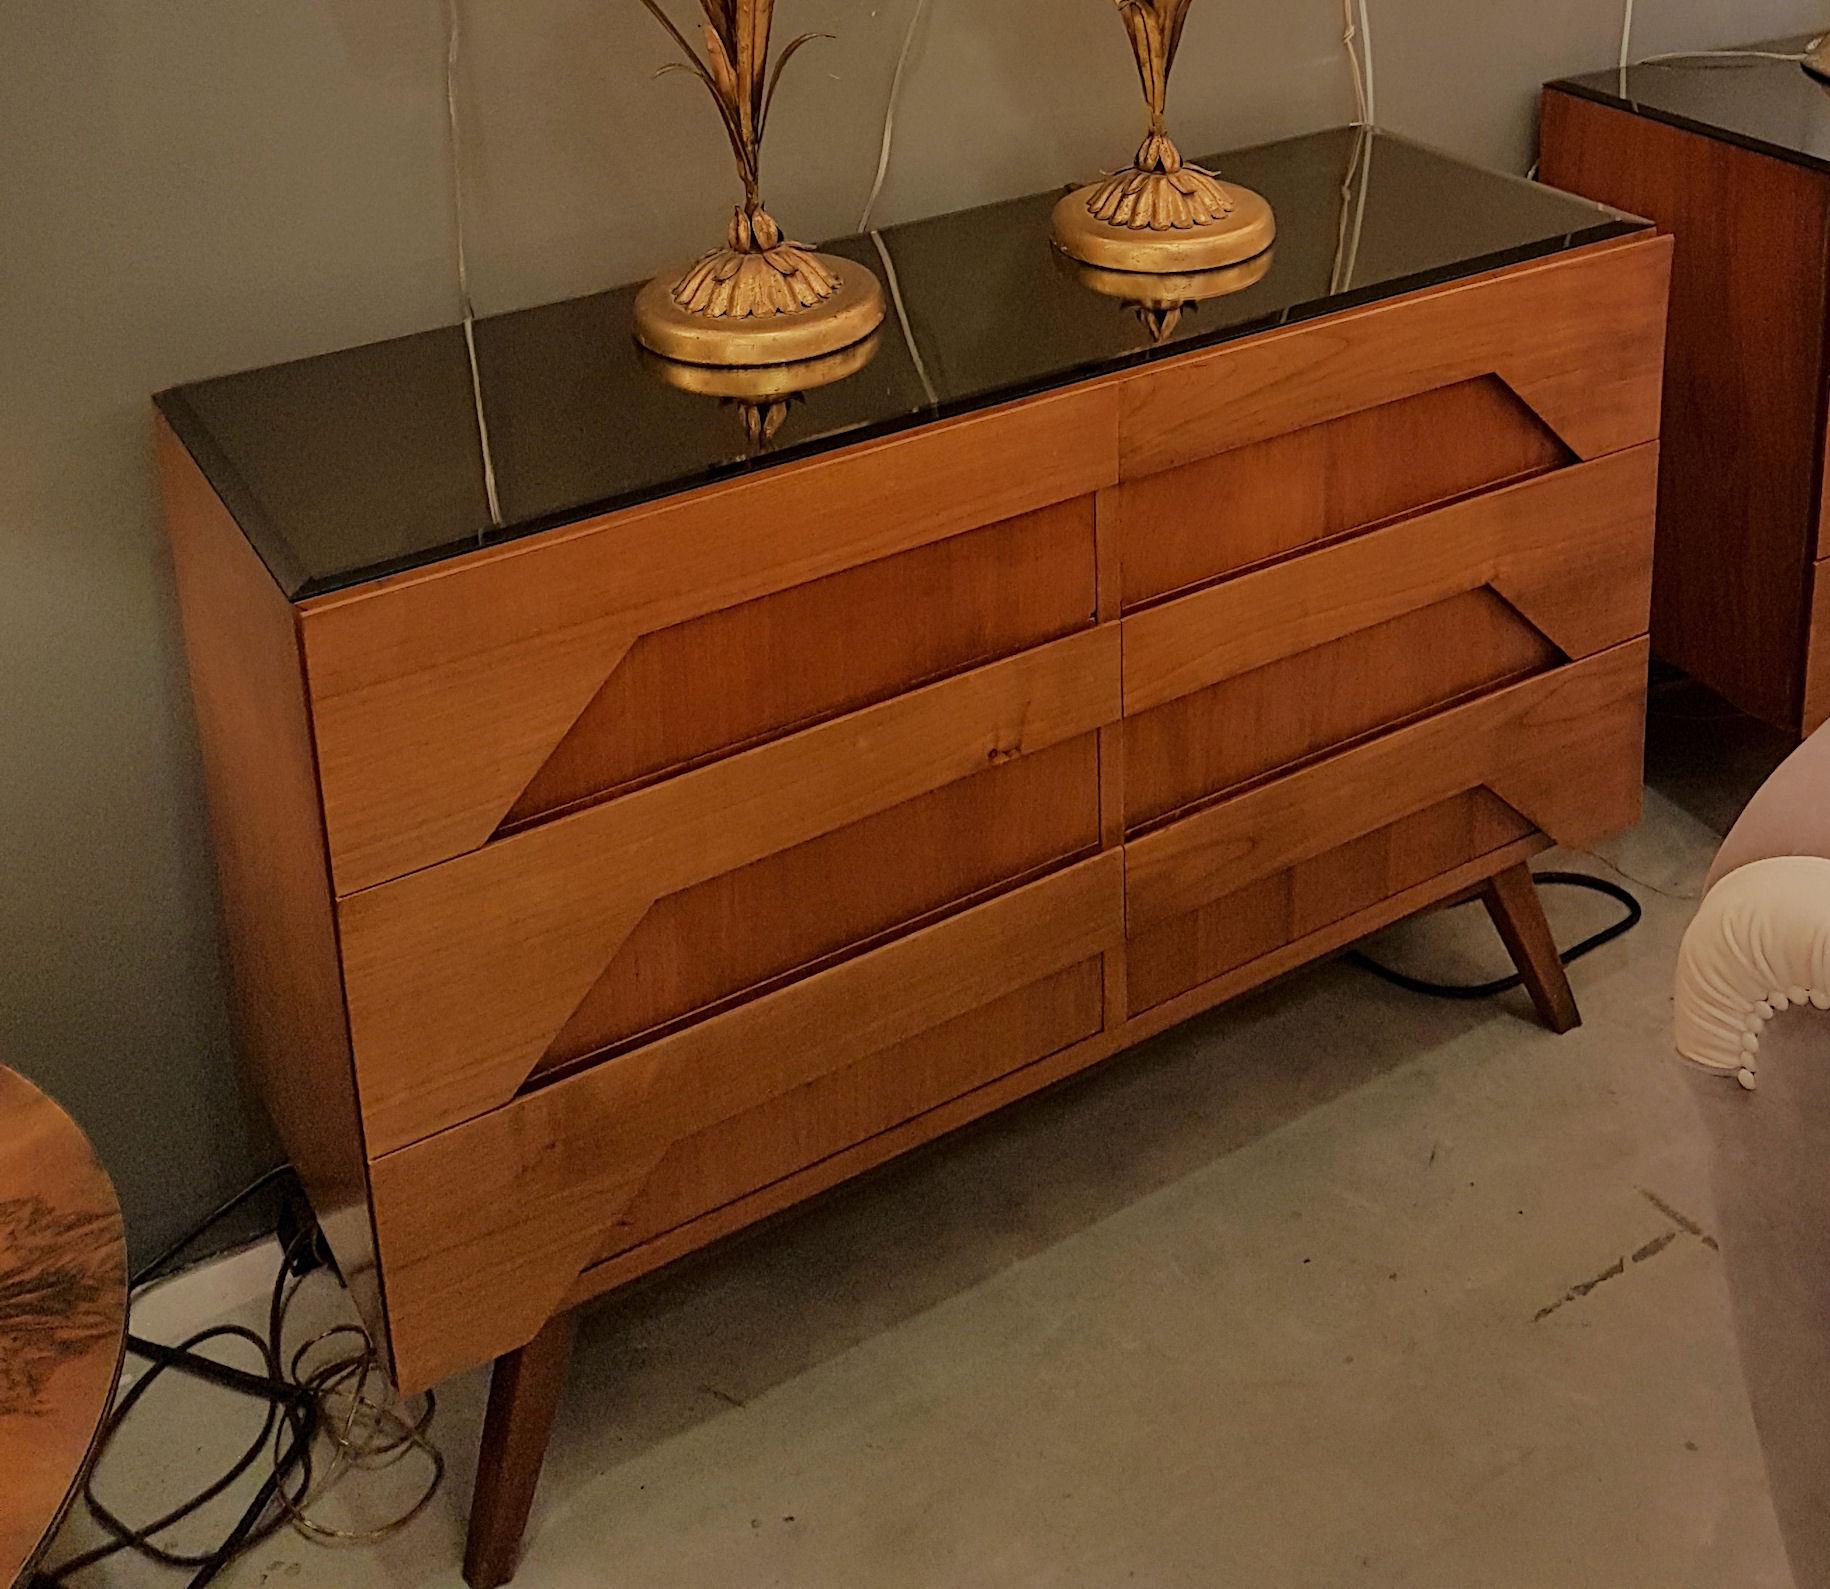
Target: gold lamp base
848, 313
1245, 231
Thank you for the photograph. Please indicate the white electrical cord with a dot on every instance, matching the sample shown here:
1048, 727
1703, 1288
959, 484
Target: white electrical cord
889, 116
1699, 56
1366, 52
1350, 40
1673, 57
453, 38
902, 319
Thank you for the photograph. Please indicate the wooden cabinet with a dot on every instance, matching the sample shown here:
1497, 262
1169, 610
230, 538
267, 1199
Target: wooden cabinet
597, 893
1728, 164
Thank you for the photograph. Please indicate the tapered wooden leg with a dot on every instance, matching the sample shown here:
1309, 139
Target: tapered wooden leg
1512, 901
523, 1397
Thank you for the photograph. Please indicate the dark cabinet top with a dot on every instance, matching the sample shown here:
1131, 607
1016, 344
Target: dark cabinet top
351, 465
1773, 107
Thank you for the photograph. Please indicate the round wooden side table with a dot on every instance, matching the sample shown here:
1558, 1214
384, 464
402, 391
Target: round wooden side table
63, 1315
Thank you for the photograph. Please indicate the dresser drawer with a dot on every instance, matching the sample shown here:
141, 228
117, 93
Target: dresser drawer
468, 980
484, 1228
1247, 924
1288, 440
456, 706
1235, 880
1268, 669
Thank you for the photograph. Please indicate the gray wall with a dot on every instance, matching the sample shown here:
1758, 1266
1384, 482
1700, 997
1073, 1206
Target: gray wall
194, 186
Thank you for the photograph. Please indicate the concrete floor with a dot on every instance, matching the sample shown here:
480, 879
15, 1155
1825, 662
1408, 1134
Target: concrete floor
1337, 1286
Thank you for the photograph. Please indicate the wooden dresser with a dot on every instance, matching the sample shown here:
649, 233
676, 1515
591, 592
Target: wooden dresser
734, 817
1734, 162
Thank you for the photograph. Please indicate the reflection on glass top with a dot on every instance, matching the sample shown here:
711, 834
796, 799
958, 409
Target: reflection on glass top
351, 465
1775, 107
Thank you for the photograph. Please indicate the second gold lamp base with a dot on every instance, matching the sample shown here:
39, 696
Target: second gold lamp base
1159, 215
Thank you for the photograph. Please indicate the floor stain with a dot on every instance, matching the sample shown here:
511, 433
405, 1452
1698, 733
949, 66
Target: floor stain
1683, 1221
1655, 1246
1685, 1226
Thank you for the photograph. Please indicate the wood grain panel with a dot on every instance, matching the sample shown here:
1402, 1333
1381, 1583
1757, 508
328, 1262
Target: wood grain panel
1222, 514
739, 1156
1571, 552
439, 694
1521, 743
747, 673
1740, 493
1816, 710
1198, 746
254, 732
1246, 924
484, 1228
460, 977
792, 909
1579, 339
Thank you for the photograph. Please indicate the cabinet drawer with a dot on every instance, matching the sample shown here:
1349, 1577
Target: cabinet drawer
455, 705
1269, 669
468, 979
1517, 745
483, 1228
1287, 439
1249, 923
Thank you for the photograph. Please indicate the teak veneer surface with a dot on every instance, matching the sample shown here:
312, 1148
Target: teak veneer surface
272, 872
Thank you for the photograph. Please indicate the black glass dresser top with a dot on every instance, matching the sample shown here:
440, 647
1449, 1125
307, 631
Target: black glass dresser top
1773, 107
352, 465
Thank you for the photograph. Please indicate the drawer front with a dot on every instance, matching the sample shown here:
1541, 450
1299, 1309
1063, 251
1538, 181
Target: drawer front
1519, 745
1182, 527
1269, 669
483, 1229
453, 706
469, 979
736, 1157
1566, 358
1250, 923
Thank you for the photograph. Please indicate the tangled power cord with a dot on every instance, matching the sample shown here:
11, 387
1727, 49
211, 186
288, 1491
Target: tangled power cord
329, 1391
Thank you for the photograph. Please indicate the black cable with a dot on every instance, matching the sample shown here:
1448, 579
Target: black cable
1487, 990
286, 1401
153, 1270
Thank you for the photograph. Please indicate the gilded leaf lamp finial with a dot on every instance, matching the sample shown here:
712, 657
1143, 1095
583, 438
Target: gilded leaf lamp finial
1161, 214
759, 298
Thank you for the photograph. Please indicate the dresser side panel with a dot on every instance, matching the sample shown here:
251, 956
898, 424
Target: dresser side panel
260, 775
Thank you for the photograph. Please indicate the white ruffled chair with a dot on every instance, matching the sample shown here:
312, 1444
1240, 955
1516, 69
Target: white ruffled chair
1753, 975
